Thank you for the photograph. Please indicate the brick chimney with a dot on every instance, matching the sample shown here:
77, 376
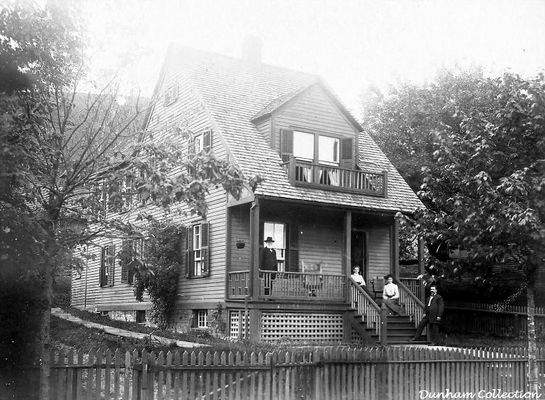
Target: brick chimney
251, 50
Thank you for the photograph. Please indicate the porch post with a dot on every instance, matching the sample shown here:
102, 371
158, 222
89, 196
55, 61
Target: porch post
348, 252
395, 249
254, 249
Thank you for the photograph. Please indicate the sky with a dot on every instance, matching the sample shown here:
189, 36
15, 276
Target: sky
350, 44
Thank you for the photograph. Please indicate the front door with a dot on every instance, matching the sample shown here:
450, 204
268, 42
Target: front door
359, 253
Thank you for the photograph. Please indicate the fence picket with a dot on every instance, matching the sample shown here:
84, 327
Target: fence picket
160, 376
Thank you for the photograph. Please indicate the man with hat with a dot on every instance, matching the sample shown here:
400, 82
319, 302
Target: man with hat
268, 256
268, 262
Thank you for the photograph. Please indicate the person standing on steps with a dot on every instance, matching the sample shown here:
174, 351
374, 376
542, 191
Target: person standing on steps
433, 313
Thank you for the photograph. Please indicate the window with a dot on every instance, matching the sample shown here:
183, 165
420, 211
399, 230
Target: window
138, 247
107, 266
171, 94
197, 251
328, 148
278, 232
199, 143
303, 145
316, 148
201, 318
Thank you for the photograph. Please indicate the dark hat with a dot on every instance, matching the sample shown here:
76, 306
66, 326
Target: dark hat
269, 239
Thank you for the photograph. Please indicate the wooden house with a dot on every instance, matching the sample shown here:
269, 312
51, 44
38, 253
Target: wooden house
328, 199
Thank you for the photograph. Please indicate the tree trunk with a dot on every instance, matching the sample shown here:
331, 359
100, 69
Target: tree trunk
44, 332
533, 369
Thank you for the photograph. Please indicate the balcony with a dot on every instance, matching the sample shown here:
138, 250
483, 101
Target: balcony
320, 176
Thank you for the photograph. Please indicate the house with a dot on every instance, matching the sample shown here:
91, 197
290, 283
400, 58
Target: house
328, 199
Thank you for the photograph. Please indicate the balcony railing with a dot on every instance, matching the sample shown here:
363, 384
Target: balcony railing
328, 177
290, 285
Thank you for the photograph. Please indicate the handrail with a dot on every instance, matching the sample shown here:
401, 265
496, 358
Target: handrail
332, 177
365, 306
238, 284
304, 285
494, 308
413, 306
414, 285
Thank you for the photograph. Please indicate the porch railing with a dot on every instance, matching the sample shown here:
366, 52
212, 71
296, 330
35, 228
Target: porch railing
365, 306
283, 285
334, 178
238, 284
413, 306
415, 286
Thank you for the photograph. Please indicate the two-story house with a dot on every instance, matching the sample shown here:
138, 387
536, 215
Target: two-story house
328, 200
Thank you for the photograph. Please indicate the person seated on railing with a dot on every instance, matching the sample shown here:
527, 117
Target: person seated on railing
390, 296
356, 275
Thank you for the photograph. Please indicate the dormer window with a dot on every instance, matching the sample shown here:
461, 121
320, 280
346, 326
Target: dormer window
317, 148
171, 94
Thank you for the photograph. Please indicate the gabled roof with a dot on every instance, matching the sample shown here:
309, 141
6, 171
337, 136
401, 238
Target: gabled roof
235, 94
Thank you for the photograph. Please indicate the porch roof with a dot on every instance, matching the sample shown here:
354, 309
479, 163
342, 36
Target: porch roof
234, 93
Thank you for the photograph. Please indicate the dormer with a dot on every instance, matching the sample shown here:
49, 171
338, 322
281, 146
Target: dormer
316, 139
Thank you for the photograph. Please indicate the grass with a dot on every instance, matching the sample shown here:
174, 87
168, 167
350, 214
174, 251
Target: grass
77, 336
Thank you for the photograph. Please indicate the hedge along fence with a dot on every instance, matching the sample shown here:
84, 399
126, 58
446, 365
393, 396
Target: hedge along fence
322, 374
510, 321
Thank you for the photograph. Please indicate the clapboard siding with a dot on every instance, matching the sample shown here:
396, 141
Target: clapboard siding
264, 128
240, 230
322, 243
379, 243
314, 111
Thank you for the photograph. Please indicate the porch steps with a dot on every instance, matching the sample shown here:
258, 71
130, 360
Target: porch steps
400, 330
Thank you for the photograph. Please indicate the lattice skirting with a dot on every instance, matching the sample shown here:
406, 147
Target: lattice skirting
237, 325
302, 327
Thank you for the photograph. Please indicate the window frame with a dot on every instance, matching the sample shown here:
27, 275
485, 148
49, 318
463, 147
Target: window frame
197, 251
107, 266
201, 319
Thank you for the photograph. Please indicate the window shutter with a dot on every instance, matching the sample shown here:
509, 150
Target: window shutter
111, 262
207, 141
286, 144
189, 252
124, 267
347, 153
103, 267
205, 253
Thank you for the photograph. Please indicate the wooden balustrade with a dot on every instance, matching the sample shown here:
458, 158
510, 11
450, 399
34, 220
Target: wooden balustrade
334, 178
415, 286
413, 306
238, 284
365, 306
285, 285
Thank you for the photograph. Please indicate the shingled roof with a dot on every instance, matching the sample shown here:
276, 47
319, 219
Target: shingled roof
235, 93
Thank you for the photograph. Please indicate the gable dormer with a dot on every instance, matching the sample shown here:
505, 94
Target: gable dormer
316, 138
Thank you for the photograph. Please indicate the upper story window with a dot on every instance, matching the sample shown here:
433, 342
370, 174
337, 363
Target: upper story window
317, 148
201, 142
171, 94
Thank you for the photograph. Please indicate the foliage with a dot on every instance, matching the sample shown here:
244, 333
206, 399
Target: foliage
156, 267
486, 190
63, 156
405, 120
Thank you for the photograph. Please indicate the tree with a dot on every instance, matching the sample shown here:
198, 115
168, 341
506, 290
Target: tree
64, 155
483, 183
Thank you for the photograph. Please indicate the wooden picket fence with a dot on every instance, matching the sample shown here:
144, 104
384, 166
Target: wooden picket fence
322, 374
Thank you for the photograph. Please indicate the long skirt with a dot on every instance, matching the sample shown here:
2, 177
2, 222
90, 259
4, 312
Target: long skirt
393, 306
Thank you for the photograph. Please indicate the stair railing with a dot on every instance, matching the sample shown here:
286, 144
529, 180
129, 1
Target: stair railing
365, 306
413, 306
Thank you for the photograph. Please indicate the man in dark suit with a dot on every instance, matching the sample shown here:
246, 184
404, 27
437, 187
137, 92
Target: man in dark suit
268, 256
433, 313
268, 262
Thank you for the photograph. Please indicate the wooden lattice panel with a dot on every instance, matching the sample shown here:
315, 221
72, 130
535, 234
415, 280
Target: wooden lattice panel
302, 327
237, 327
